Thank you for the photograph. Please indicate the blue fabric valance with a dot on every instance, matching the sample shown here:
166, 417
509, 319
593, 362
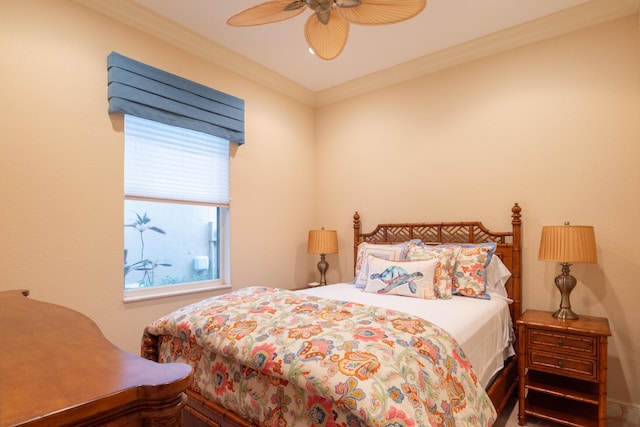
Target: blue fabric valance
147, 92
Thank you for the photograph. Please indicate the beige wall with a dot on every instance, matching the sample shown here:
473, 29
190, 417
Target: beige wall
61, 163
553, 126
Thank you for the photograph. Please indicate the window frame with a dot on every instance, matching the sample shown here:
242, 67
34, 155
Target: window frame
168, 290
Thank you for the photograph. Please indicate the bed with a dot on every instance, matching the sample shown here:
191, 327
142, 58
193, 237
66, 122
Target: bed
268, 385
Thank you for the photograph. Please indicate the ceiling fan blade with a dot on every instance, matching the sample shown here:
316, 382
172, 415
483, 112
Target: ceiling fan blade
379, 12
266, 13
327, 41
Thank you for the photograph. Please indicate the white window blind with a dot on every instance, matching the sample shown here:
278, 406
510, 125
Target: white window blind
172, 163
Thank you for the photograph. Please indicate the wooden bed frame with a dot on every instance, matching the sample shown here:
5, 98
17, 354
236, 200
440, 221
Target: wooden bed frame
201, 412
509, 249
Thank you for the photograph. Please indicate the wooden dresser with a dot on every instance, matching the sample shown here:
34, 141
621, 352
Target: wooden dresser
57, 369
563, 369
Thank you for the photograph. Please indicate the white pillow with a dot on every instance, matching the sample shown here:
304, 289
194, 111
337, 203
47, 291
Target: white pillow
497, 276
407, 278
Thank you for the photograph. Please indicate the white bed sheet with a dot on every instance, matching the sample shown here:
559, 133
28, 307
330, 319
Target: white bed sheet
483, 328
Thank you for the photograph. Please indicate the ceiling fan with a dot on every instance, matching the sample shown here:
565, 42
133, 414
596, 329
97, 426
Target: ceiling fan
327, 29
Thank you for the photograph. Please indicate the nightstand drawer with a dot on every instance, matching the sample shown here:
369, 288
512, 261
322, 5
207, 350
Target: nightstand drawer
552, 341
575, 367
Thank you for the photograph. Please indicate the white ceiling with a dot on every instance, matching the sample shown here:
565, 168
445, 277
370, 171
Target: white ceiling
446, 33
281, 46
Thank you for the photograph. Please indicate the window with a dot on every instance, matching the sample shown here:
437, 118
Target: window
176, 202
177, 135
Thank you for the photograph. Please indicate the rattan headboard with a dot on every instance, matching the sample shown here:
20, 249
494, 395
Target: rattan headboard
509, 243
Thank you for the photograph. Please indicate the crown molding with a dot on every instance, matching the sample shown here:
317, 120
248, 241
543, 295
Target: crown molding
573, 19
132, 14
576, 18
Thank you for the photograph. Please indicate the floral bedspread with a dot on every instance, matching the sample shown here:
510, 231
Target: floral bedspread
280, 358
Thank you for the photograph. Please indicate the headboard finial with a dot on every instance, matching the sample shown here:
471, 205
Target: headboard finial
515, 215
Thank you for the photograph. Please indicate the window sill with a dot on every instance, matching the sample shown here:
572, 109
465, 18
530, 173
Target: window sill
165, 291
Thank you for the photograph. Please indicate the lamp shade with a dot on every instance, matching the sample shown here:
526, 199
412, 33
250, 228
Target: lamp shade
568, 244
322, 242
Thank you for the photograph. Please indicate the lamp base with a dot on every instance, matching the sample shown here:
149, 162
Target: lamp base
565, 314
565, 283
322, 268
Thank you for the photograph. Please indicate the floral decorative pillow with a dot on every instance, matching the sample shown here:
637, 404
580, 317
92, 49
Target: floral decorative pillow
469, 271
393, 251
401, 277
443, 280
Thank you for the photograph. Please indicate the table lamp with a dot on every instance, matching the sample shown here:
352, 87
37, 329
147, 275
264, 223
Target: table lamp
322, 242
567, 244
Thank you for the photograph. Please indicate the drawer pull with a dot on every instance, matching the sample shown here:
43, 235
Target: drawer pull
560, 363
560, 342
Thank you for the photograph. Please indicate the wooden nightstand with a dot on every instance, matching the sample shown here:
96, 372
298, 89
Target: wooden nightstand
562, 366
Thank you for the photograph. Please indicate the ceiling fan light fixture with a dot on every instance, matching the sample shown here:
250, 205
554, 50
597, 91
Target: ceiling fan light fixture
347, 3
327, 29
319, 4
322, 8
